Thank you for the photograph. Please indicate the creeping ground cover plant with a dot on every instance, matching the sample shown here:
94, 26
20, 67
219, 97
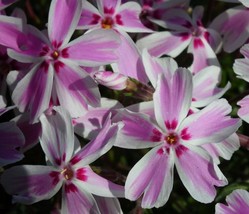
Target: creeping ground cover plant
124, 106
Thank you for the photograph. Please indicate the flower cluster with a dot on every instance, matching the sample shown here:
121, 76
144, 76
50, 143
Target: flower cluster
55, 82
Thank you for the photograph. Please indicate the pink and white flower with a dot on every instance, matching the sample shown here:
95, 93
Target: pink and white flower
176, 140
56, 63
120, 18
185, 32
237, 202
65, 170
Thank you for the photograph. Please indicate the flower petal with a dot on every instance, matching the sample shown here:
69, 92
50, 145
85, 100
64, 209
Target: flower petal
108, 205
238, 202
57, 138
33, 92
63, 13
172, 99
205, 88
77, 201
243, 112
94, 48
128, 52
75, 89
90, 124
203, 55
211, 124
225, 149
108, 6
198, 173
155, 66
90, 16
11, 139
161, 43
10, 29
89, 181
153, 176
30, 184
234, 29
127, 18
132, 135
97, 147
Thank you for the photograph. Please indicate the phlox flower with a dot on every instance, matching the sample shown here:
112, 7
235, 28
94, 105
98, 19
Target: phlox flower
184, 32
122, 19
71, 172
176, 139
56, 77
201, 97
237, 203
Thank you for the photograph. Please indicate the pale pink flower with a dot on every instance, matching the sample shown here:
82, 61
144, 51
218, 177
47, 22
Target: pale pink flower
184, 32
120, 18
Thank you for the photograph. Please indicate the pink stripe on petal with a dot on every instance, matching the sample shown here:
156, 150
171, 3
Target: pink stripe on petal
133, 134
128, 19
155, 66
128, 51
173, 98
162, 43
10, 29
75, 89
33, 92
77, 201
97, 185
203, 55
211, 124
94, 48
57, 138
108, 6
90, 16
153, 176
30, 184
63, 13
97, 147
198, 174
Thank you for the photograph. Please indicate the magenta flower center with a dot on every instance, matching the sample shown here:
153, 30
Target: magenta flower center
171, 139
67, 173
107, 23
